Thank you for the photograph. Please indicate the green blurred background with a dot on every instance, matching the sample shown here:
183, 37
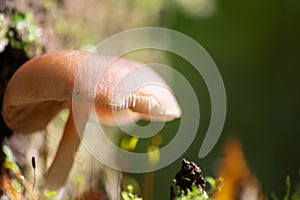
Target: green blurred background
255, 45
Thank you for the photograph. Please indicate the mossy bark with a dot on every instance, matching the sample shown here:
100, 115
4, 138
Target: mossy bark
22, 36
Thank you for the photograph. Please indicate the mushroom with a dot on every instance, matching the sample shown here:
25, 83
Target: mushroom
43, 86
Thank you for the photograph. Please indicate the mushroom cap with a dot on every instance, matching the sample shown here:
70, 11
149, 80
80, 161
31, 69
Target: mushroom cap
43, 86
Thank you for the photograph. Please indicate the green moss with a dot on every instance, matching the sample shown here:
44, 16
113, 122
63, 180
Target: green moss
26, 33
128, 194
194, 194
20, 32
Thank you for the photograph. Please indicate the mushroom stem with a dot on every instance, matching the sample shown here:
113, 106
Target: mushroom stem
63, 161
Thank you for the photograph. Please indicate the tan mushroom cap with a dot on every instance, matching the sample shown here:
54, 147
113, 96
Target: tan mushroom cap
43, 86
